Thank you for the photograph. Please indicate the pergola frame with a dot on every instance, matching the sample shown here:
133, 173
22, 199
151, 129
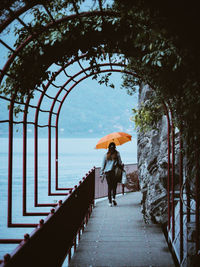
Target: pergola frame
110, 67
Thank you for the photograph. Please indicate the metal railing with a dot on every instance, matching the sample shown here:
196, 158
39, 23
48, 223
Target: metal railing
183, 228
54, 237
101, 189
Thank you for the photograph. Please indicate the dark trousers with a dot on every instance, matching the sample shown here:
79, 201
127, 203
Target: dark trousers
112, 185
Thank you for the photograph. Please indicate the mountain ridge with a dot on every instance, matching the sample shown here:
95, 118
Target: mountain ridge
89, 110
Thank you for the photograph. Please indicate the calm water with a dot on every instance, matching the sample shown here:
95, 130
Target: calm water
76, 158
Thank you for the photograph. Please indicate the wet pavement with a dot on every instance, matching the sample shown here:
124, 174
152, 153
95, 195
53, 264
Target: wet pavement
117, 236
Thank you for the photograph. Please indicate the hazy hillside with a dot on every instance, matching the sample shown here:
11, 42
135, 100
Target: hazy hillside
90, 110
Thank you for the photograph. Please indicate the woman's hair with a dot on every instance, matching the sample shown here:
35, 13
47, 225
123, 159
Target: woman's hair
113, 155
112, 144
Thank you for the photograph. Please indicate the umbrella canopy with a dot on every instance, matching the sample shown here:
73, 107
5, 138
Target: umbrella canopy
118, 138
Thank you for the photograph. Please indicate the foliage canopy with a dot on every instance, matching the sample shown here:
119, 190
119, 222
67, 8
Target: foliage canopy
161, 48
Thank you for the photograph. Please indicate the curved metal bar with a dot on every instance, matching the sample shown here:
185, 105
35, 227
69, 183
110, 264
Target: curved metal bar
172, 176
17, 13
197, 199
49, 138
35, 164
32, 123
24, 206
24, 159
29, 29
81, 67
57, 22
59, 109
42, 91
50, 117
49, 124
48, 12
10, 163
168, 165
25, 155
68, 76
31, 106
7, 46
181, 184
21, 47
4, 121
53, 104
24, 163
10, 173
12, 57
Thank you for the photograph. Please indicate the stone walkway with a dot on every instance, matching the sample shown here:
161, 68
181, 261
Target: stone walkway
117, 236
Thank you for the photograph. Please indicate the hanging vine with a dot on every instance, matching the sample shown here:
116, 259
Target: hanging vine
138, 30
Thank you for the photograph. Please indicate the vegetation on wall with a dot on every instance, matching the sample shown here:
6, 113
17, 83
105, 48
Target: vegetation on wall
167, 58
161, 48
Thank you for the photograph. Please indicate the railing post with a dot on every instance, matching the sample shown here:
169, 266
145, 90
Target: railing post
188, 200
197, 207
36, 165
10, 163
181, 204
172, 178
47, 245
168, 166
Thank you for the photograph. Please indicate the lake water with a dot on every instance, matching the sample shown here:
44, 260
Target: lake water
76, 157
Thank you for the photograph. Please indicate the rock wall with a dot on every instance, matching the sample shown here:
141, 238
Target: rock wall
152, 171
152, 166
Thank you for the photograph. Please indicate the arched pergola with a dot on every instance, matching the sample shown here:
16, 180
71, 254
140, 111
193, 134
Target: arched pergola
65, 33
32, 106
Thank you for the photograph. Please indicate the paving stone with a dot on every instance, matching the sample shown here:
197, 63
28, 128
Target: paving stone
118, 236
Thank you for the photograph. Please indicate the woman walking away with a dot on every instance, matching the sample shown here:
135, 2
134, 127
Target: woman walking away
111, 160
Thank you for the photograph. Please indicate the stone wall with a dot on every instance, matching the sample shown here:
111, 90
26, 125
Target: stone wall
152, 171
152, 166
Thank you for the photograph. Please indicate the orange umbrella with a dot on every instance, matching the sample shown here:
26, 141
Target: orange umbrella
118, 138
